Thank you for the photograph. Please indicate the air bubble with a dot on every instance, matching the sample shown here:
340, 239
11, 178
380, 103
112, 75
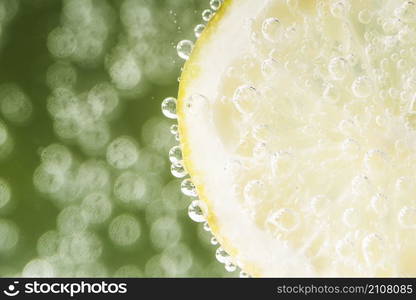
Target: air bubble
198, 30
254, 192
169, 107
351, 217
230, 267
222, 256
48, 243
407, 217
14, 104
214, 241
178, 170
272, 29
373, 248
56, 158
270, 67
175, 155
184, 49
124, 230
96, 208
207, 14
206, 227
407, 12
188, 188
61, 74
242, 273
38, 268
125, 72
196, 103
9, 235
122, 153
103, 99
331, 93
47, 182
215, 4
364, 16
196, 211
164, 232
62, 42
246, 99
285, 219
71, 220
337, 67
339, 9
320, 204
129, 187
5, 193
362, 87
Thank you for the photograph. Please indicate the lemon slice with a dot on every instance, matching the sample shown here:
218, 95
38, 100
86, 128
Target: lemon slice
297, 126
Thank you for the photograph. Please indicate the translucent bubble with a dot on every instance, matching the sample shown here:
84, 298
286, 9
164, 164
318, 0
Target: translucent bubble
230, 267
71, 220
48, 244
174, 129
169, 107
62, 42
175, 155
362, 87
215, 4
184, 49
155, 133
128, 271
124, 230
373, 248
407, 217
176, 260
351, 217
285, 219
96, 208
85, 247
9, 235
38, 268
214, 241
320, 204
246, 99
103, 99
63, 103
207, 14
93, 175
46, 181
272, 29
331, 93
340, 8
95, 138
188, 188
222, 256
125, 72
337, 67
270, 67
206, 227
122, 152
198, 30
365, 16
407, 12
244, 275
178, 170
5, 193
153, 267
164, 232
14, 104
196, 103
197, 211
129, 187
56, 158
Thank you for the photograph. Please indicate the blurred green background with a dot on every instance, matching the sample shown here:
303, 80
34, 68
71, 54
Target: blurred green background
85, 183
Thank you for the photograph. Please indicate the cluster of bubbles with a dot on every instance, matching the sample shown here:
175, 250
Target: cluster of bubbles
197, 210
115, 212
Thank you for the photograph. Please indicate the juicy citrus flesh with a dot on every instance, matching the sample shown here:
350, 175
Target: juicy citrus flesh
297, 123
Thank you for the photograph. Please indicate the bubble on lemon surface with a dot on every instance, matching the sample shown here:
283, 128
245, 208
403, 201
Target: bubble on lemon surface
96, 208
169, 107
38, 268
198, 29
184, 49
122, 153
407, 217
362, 87
188, 188
9, 235
178, 170
246, 99
15, 104
164, 232
207, 14
129, 187
5, 193
197, 211
272, 29
124, 230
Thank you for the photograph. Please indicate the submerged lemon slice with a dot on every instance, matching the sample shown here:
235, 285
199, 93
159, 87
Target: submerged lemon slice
297, 124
